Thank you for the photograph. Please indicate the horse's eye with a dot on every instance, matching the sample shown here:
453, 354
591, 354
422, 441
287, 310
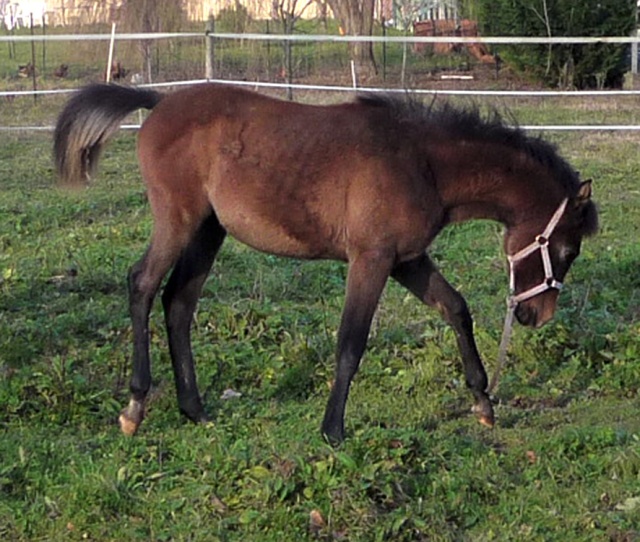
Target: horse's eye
568, 254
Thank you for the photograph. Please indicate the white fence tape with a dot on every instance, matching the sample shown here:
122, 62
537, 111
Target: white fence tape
527, 127
336, 88
329, 38
333, 88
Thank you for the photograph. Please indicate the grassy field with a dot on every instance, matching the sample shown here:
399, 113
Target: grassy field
563, 462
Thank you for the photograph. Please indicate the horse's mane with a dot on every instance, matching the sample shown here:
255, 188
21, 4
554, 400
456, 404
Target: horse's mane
470, 123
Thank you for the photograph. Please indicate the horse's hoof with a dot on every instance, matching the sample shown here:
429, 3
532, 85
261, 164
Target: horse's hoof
131, 417
197, 416
333, 438
127, 426
487, 421
334, 442
203, 419
484, 411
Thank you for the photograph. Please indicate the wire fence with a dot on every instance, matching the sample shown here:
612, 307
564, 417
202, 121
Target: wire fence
257, 60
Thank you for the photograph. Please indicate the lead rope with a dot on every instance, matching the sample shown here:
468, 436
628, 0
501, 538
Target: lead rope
541, 243
504, 345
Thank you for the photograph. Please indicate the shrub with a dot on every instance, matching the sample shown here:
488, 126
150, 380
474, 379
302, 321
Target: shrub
233, 19
570, 65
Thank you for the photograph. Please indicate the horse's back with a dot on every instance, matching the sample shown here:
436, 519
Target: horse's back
283, 177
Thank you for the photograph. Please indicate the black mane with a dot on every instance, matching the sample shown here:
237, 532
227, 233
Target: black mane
470, 123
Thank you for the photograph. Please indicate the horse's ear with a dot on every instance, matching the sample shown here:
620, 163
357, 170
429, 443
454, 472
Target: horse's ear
584, 193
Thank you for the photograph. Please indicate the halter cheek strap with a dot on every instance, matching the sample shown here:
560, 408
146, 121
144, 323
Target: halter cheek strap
540, 243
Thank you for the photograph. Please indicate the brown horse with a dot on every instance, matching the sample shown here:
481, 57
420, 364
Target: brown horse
370, 182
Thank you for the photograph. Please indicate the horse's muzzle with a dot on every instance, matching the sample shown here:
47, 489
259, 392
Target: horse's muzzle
526, 315
530, 316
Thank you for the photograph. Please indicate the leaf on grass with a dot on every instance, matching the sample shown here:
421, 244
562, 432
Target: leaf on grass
259, 472
218, 504
316, 522
346, 460
52, 507
249, 516
230, 394
629, 505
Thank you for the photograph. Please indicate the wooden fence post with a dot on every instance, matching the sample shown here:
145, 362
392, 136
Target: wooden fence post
210, 29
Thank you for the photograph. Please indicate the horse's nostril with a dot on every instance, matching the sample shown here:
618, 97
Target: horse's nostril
527, 316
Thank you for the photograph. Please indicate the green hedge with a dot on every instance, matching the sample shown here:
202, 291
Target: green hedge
571, 65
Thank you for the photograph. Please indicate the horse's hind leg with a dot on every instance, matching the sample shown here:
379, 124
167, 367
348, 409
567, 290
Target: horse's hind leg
421, 277
179, 299
144, 280
167, 243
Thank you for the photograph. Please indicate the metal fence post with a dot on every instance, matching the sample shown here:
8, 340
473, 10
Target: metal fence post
634, 45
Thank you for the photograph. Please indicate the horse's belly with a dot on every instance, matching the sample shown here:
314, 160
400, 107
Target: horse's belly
272, 216
295, 240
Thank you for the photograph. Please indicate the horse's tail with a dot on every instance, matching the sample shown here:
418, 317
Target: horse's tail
87, 122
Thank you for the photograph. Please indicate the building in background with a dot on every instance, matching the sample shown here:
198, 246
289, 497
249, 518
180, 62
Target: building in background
18, 13
15, 14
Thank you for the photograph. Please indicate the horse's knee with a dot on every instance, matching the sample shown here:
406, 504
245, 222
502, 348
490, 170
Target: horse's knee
455, 311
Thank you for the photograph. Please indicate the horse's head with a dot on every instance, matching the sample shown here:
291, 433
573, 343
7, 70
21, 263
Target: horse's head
539, 260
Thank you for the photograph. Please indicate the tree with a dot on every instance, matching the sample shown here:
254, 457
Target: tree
468, 9
407, 12
356, 19
289, 12
151, 16
571, 65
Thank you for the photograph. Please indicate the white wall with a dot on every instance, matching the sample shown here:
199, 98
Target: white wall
17, 13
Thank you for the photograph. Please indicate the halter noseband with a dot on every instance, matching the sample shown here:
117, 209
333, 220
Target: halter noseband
541, 243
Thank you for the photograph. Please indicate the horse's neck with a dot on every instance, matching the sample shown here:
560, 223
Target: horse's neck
495, 184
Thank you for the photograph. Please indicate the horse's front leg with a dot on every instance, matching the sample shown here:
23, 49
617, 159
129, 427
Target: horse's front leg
421, 277
367, 275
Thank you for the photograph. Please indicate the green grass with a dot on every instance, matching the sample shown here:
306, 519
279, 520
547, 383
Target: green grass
562, 464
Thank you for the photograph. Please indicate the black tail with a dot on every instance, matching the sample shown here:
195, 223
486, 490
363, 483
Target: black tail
87, 122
